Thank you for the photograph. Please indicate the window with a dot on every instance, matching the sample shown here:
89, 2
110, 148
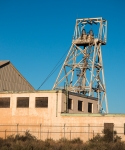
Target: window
22, 102
41, 102
80, 105
5, 102
70, 103
109, 130
124, 128
90, 107
109, 126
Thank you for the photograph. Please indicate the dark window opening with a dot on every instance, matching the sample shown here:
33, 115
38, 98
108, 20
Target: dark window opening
41, 102
80, 105
70, 103
90, 107
5, 102
22, 102
109, 126
109, 130
124, 128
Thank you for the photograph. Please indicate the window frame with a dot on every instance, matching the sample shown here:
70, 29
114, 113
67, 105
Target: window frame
45, 105
3, 100
23, 99
71, 104
82, 105
91, 107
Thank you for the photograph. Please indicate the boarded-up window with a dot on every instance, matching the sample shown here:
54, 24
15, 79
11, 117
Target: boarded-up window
22, 102
41, 102
70, 103
90, 107
109, 130
80, 105
5, 102
108, 126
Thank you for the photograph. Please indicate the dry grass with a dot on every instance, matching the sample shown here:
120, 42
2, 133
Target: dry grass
29, 142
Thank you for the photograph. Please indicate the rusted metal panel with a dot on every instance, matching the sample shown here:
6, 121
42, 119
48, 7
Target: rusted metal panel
11, 79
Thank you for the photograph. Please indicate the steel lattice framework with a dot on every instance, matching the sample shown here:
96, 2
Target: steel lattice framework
82, 70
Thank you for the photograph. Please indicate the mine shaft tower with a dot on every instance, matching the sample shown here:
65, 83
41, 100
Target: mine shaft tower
82, 70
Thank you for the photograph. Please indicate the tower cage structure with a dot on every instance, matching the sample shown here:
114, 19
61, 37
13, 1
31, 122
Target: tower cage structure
82, 70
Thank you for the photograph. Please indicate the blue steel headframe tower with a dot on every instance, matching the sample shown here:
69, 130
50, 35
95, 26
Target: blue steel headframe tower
82, 70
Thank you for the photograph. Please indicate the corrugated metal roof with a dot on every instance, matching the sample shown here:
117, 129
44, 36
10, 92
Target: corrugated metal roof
11, 79
3, 62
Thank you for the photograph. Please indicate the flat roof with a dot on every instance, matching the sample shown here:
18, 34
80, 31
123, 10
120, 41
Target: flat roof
35, 91
84, 96
93, 115
49, 91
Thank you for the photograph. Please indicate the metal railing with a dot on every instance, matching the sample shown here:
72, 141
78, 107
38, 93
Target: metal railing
58, 131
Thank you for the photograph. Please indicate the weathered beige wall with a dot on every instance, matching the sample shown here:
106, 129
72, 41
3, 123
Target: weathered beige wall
46, 122
85, 104
75, 99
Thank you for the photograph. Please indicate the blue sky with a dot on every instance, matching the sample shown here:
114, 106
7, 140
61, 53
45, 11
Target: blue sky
34, 34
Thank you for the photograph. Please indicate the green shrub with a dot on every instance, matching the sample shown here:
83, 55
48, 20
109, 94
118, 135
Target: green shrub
29, 142
18, 137
108, 136
77, 140
97, 138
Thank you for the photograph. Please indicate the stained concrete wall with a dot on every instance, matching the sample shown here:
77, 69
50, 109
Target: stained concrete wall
52, 122
85, 100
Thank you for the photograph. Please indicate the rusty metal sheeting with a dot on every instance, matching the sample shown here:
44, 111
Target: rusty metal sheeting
11, 79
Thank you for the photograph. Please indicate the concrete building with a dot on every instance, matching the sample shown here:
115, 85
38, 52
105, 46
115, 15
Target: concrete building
54, 114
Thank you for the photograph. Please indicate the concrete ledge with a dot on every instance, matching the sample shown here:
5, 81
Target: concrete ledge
93, 115
35, 91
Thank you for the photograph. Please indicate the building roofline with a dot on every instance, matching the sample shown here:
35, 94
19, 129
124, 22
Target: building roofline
35, 91
7, 62
4, 63
84, 96
21, 76
48, 91
92, 115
